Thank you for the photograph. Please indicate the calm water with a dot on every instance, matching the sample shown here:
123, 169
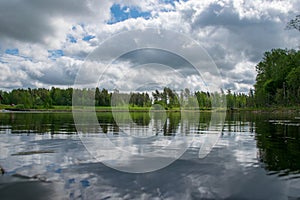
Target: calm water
256, 157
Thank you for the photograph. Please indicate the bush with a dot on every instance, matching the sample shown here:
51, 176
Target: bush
20, 106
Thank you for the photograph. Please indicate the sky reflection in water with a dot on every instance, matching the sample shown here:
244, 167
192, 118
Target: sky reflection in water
255, 158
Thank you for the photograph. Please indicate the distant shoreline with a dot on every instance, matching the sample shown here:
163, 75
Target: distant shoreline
278, 110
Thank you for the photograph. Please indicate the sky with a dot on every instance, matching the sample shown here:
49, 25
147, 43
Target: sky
45, 43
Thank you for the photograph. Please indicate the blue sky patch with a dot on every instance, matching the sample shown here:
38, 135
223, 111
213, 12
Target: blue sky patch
53, 54
172, 2
123, 13
82, 25
3, 62
14, 51
72, 39
85, 183
88, 37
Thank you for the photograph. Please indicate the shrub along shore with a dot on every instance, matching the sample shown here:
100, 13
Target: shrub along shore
8, 108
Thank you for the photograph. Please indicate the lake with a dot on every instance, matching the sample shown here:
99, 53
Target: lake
256, 156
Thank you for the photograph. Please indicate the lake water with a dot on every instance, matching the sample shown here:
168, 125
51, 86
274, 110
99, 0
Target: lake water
257, 156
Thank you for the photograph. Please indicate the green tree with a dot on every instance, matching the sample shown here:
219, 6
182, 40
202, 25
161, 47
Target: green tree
293, 81
272, 74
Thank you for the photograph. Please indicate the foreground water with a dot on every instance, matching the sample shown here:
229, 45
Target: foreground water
256, 157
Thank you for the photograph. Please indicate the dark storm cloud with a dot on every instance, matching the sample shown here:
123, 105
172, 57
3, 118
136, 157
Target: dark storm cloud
30, 20
231, 38
252, 36
230, 86
241, 75
248, 81
56, 78
158, 56
228, 17
216, 15
58, 75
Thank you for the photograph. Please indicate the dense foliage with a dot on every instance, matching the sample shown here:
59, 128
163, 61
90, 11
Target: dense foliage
47, 98
167, 98
278, 79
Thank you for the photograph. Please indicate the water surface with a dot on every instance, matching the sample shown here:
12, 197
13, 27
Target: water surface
256, 157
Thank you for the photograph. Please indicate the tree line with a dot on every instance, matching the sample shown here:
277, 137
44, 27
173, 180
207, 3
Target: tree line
277, 84
167, 98
47, 98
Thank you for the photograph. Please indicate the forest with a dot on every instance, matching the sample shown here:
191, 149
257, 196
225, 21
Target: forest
278, 79
277, 84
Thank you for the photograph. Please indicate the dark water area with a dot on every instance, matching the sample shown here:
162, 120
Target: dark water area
257, 156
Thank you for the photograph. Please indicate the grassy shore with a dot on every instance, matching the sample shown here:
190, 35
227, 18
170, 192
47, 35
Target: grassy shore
294, 109
69, 108
97, 109
272, 109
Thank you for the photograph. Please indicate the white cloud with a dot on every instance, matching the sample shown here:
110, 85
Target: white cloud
235, 33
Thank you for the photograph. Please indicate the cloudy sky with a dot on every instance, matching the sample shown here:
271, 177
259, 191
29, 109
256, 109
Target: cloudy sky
44, 43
